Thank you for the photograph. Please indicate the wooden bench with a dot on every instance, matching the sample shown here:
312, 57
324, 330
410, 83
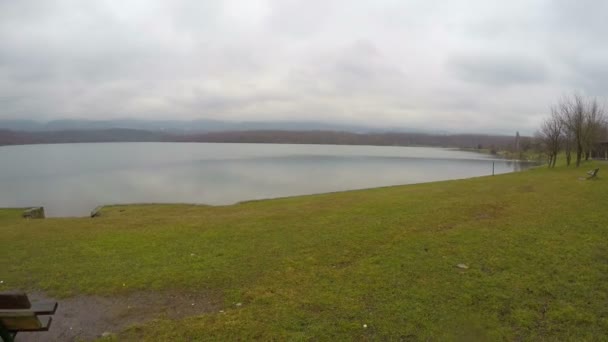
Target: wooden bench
18, 314
593, 173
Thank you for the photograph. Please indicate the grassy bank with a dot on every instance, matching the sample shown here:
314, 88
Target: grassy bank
321, 267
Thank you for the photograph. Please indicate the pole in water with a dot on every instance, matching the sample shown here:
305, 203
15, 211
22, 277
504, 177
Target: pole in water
492, 168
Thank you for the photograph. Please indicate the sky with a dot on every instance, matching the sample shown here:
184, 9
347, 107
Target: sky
456, 66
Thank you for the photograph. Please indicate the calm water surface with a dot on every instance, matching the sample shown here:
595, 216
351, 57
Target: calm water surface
72, 179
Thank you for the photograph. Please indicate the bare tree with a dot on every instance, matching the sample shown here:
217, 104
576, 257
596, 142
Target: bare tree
594, 118
582, 121
551, 135
568, 143
572, 112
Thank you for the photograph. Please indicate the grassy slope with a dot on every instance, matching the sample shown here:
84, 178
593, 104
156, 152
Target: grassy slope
322, 266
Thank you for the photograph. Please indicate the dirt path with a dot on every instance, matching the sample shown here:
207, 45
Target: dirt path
88, 317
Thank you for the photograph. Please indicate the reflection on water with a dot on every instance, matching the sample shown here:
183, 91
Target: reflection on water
517, 166
72, 179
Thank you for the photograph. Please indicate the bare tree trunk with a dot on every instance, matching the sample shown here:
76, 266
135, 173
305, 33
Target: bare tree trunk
554, 159
573, 115
550, 136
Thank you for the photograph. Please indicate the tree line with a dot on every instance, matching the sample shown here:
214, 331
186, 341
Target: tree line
469, 141
575, 126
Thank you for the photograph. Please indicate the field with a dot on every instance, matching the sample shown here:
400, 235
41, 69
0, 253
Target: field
378, 264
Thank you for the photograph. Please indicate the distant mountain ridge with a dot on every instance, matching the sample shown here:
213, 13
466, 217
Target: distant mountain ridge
475, 141
10, 137
178, 126
17, 132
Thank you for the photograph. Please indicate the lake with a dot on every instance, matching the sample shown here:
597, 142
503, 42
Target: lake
72, 179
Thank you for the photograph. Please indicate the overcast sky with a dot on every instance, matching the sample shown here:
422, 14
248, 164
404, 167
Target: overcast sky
474, 66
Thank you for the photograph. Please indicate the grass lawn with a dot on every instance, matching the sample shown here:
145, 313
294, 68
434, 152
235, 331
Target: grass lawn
321, 267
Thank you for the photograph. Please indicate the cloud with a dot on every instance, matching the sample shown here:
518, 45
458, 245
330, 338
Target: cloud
459, 66
498, 70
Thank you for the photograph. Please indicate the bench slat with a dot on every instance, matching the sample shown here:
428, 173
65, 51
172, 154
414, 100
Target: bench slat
593, 173
26, 323
36, 309
45, 325
14, 300
44, 308
47, 308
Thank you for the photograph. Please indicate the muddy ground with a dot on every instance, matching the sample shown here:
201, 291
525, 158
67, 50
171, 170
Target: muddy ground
88, 317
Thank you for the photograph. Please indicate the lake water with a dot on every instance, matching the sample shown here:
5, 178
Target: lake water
72, 179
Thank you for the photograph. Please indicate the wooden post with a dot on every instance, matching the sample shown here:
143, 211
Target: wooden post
492, 168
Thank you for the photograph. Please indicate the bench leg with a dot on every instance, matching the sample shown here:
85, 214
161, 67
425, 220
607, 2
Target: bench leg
6, 335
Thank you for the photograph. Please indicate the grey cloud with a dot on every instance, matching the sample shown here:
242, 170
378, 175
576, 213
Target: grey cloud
583, 21
498, 70
587, 72
298, 18
483, 65
359, 69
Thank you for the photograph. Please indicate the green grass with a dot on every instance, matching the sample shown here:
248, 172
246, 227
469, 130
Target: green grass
12, 213
320, 267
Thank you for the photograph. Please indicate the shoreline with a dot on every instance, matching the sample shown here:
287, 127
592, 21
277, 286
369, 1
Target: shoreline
96, 211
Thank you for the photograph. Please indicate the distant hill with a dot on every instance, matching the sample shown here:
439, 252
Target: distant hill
350, 138
175, 126
10, 137
22, 125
